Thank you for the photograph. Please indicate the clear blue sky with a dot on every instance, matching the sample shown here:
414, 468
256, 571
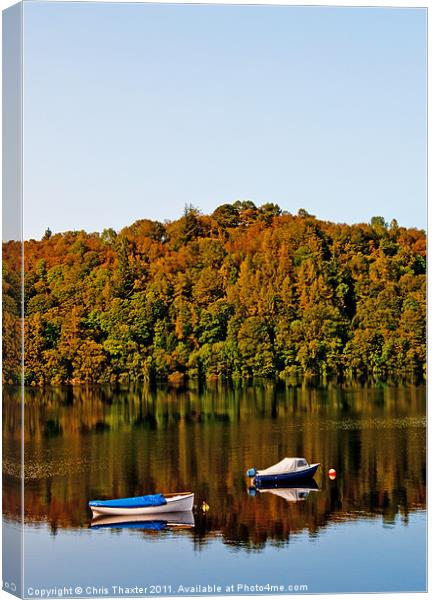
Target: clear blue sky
131, 111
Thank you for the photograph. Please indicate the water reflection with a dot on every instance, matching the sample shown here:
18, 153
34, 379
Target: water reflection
83, 443
178, 520
293, 493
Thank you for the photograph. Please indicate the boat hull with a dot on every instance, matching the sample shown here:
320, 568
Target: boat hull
180, 503
282, 478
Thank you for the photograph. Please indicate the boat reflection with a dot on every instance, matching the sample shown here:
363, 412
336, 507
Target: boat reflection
156, 522
289, 493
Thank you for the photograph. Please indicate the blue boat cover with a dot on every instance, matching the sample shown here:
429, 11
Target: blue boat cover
136, 502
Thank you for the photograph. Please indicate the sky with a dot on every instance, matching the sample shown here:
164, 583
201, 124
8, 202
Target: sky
132, 111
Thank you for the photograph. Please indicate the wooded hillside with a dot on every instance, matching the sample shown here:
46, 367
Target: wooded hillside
244, 292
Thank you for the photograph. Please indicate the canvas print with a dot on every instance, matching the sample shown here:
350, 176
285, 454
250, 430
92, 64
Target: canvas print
214, 295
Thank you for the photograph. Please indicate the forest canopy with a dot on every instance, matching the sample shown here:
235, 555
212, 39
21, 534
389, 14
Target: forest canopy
244, 292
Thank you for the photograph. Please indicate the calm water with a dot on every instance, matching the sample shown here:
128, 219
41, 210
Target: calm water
364, 531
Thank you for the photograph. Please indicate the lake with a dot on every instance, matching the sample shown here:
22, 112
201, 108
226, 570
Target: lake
363, 531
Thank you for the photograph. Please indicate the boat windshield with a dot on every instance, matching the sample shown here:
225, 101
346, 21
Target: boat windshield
302, 463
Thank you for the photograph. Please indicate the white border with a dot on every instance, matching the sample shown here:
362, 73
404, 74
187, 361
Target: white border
384, 3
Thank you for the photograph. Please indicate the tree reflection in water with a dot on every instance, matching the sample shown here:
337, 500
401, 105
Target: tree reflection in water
83, 443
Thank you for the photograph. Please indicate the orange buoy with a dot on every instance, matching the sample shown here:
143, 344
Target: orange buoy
332, 473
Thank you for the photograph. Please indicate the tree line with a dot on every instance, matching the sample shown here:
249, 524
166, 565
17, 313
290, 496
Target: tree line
242, 293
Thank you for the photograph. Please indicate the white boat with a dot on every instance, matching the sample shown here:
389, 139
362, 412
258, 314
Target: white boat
144, 505
287, 470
